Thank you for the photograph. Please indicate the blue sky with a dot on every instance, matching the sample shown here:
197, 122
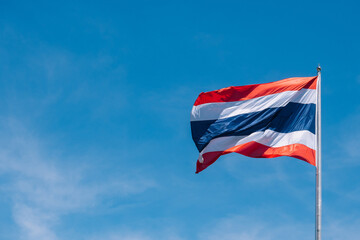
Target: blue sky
95, 101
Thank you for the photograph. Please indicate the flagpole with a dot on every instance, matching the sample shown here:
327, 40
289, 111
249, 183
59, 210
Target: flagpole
318, 158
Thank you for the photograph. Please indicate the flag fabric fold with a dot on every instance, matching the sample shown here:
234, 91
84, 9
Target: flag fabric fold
261, 121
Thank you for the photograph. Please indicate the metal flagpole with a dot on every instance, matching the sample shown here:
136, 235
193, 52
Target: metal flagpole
318, 158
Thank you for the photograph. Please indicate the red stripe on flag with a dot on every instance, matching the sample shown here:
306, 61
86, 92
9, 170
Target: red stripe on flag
232, 94
257, 150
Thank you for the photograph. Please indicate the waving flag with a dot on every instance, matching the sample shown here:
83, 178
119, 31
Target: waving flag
261, 121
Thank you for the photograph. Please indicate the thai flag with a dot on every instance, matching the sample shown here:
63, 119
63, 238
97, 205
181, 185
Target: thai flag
261, 121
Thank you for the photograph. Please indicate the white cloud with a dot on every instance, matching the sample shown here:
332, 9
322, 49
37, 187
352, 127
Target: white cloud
251, 228
342, 229
43, 189
34, 223
43, 181
248, 228
126, 234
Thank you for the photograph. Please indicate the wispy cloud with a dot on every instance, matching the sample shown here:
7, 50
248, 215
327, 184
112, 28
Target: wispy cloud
43, 189
250, 228
165, 233
44, 180
34, 223
346, 228
41, 75
254, 228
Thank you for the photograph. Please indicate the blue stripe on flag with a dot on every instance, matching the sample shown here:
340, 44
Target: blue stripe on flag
292, 117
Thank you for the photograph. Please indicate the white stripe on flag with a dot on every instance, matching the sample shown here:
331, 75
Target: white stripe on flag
219, 110
268, 137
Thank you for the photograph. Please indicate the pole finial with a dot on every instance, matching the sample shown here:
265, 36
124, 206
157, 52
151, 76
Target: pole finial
318, 68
